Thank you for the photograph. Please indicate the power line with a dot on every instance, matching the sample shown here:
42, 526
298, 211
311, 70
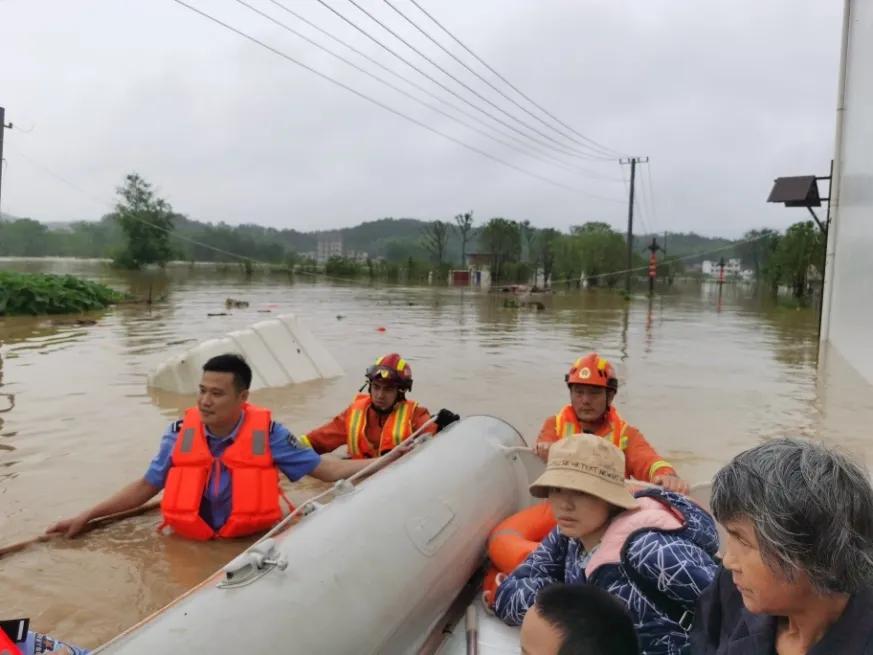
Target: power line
564, 134
554, 160
651, 187
386, 107
606, 150
557, 145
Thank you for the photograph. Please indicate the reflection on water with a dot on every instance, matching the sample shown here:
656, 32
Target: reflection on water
706, 371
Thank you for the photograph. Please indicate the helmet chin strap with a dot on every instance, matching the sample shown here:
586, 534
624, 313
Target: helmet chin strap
382, 412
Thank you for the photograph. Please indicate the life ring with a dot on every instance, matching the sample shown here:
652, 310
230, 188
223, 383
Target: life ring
513, 540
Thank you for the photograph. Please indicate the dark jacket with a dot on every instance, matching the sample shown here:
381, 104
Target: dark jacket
723, 626
650, 546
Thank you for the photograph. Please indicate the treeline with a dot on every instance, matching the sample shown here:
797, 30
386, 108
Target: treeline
794, 260
144, 229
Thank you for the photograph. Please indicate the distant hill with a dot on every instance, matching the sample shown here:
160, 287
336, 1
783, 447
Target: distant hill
395, 239
687, 244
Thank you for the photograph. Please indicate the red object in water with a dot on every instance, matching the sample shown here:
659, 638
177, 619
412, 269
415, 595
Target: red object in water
6, 644
380, 329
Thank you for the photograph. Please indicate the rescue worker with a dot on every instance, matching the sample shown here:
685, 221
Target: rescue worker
224, 448
593, 384
381, 419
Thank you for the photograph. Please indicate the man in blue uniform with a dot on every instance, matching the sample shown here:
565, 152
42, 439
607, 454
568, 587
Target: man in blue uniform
220, 436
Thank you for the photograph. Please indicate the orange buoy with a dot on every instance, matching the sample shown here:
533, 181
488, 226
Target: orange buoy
380, 329
512, 542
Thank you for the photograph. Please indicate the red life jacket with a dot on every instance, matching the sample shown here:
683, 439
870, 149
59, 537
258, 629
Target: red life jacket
254, 478
397, 428
6, 643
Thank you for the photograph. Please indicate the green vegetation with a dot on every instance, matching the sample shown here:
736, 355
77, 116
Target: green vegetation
794, 259
147, 222
37, 293
409, 250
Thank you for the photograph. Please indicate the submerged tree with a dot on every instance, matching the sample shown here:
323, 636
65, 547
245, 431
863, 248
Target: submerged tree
800, 251
502, 239
147, 222
463, 225
436, 239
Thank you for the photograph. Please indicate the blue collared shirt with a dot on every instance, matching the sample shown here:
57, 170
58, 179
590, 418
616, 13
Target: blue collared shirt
292, 458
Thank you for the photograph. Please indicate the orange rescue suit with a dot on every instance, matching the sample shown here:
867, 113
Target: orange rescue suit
254, 478
641, 460
397, 428
363, 431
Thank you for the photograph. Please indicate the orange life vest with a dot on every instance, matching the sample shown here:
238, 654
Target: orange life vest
567, 424
254, 478
397, 428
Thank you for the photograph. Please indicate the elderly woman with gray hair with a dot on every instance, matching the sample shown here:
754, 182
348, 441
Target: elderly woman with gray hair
798, 562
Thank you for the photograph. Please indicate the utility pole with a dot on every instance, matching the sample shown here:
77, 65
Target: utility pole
633, 161
653, 264
3, 128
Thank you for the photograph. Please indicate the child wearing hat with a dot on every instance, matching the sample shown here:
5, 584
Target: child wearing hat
654, 550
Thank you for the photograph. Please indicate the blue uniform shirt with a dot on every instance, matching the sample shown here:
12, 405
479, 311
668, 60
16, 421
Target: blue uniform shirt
292, 458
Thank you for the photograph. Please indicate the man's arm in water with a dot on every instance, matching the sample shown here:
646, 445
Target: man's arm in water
130, 497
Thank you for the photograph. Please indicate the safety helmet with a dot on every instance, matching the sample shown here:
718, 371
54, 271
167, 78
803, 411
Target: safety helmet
391, 368
593, 370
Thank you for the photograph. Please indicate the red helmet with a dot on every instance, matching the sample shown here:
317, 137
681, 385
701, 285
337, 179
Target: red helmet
393, 369
593, 370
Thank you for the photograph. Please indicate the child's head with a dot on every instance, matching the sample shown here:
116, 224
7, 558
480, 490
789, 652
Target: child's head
577, 620
584, 482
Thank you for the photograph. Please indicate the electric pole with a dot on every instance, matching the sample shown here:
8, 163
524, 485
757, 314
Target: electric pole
3, 127
633, 161
653, 263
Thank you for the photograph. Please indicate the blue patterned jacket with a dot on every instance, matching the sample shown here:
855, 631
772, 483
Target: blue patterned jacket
670, 543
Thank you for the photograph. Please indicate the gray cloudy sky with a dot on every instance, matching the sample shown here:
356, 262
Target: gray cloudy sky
722, 95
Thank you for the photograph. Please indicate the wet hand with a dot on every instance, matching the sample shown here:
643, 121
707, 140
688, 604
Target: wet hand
69, 527
672, 483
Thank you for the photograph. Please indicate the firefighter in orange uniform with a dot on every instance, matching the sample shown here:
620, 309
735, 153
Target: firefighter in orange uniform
593, 385
378, 421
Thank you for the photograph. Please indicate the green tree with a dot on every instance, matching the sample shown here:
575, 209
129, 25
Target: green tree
147, 222
546, 245
602, 250
463, 226
24, 238
502, 239
435, 240
758, 250
799, 251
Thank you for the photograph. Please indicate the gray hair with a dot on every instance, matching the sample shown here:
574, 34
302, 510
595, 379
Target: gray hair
812, 509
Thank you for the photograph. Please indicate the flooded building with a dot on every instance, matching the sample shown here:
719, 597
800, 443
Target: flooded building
847, 311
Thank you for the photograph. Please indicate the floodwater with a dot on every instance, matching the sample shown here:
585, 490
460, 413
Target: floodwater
704, 375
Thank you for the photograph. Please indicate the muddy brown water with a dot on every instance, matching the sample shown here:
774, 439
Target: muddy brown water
702, 376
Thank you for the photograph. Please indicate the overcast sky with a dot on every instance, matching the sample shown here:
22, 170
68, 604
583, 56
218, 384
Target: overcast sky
723, 96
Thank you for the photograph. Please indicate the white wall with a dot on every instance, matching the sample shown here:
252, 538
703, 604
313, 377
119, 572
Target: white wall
847, 322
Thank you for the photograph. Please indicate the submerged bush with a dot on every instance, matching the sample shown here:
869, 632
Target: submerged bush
38, 293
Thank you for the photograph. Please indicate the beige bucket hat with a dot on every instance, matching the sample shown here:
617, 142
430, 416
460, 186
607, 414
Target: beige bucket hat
589, 464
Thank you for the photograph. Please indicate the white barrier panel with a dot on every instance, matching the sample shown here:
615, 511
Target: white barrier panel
281, 351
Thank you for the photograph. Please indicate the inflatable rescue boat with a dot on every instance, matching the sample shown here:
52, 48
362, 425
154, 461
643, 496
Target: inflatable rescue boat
391, 566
